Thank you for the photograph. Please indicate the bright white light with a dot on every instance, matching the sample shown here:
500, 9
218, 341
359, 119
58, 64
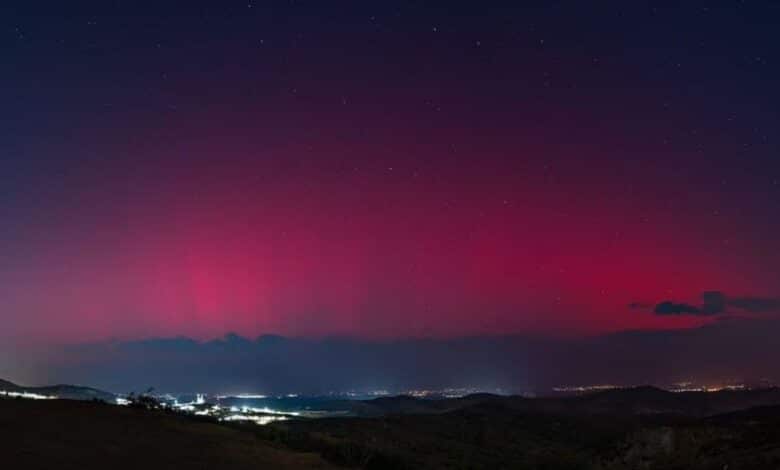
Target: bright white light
245, 396
266, 410
28, 395
261, 420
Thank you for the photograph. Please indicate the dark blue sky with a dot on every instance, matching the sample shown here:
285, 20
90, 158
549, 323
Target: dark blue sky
385, 170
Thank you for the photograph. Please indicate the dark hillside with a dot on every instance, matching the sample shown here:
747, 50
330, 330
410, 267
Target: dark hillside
63, 434
7, 386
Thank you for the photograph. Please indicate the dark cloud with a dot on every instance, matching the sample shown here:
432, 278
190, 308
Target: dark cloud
715, 303
668, 307
756, 304
733, 347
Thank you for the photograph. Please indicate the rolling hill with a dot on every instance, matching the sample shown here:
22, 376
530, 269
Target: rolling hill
645, 400
65, 392
616, 430
44, 434
643, 427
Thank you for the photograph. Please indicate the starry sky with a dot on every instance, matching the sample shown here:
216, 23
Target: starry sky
384, 169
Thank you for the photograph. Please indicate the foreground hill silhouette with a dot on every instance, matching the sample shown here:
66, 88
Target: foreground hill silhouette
642, 427
48, 434
639, 428
485, 438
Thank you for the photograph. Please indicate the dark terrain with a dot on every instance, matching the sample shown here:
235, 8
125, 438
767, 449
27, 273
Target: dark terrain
628, 401
642, 427
65, 434
621, 429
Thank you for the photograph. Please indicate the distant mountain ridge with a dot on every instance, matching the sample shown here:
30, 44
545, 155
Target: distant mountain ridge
62, 391
8, 386
644, 400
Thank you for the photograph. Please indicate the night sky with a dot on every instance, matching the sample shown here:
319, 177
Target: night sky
384, 170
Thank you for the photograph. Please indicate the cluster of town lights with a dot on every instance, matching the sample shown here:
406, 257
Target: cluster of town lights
200, 407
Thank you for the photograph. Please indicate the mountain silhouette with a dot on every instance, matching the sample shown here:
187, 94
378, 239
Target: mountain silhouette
62, 391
